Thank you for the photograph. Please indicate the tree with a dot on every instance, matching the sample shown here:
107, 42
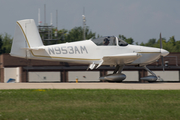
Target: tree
128, 40
142, 44
171, 45
122, 37
151, 42
63, 35
172, 41
60, 37
2, 50
7, 42
76, 34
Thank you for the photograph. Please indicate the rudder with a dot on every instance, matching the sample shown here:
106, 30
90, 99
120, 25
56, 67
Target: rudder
26, 36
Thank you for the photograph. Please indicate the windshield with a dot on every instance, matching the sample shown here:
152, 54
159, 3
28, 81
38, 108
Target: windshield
105, 41
122, 43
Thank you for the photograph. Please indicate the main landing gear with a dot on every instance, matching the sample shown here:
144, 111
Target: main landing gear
117, 75
150, 78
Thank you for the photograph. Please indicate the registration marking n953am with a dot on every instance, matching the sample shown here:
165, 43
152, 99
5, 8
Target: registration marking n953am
67, 50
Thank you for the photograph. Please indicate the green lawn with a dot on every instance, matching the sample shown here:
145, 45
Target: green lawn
75, 104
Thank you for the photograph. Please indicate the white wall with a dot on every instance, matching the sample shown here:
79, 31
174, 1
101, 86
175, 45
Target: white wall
84, 75
167, 75
44, 76
130, 75
12, 72
18, 74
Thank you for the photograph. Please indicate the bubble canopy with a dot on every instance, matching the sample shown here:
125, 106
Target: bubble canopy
109, 41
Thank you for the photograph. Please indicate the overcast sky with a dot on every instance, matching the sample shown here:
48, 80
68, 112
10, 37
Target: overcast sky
139, 19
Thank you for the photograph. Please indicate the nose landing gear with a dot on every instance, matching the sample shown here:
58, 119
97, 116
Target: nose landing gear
150, 78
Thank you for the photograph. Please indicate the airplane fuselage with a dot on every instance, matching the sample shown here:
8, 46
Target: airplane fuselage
86, 51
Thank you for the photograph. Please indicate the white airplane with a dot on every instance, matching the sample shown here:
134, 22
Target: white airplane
108, 50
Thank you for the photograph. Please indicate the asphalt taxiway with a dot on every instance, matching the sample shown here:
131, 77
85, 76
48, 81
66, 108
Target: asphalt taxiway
130, 86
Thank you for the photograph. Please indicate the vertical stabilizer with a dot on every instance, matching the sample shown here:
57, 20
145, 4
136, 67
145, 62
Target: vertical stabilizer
26, 36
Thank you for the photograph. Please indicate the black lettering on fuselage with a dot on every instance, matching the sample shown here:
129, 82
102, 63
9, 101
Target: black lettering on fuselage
57, 49
68, 50
83, 49
51, 50
76, 50
64, 51
71, 51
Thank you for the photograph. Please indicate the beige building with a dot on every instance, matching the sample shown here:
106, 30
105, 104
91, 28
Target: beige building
23, 70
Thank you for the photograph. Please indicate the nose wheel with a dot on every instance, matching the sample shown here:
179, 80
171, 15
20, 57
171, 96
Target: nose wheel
150, 78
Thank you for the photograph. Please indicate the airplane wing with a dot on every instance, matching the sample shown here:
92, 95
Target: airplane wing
116, 59
121, 58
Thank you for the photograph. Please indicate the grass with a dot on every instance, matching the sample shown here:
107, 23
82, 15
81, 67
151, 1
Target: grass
74, 104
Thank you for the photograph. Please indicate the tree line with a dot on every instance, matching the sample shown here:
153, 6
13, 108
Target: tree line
171, 44
5, 43
76, 34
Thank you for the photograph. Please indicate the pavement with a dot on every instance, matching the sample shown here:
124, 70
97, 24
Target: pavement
129, 86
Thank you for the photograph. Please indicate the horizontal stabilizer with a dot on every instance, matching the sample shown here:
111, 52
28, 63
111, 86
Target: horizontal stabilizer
34, 48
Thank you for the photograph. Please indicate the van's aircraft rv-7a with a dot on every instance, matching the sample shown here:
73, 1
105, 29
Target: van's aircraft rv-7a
108, 50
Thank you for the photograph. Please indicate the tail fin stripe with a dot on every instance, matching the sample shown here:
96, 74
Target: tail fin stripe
24, 34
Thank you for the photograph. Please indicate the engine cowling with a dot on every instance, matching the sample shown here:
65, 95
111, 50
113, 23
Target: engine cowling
114, 77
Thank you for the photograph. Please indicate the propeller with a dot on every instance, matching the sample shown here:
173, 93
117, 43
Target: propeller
162, 58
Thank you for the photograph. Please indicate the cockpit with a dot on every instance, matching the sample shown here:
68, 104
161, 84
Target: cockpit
122, 42
109, 41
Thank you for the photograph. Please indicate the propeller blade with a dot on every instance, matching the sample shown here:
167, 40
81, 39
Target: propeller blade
162, 60
161, 46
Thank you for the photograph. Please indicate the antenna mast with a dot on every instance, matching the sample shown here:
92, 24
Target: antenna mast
44, 14
56, 19
51, 21
39, 17
84, 24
